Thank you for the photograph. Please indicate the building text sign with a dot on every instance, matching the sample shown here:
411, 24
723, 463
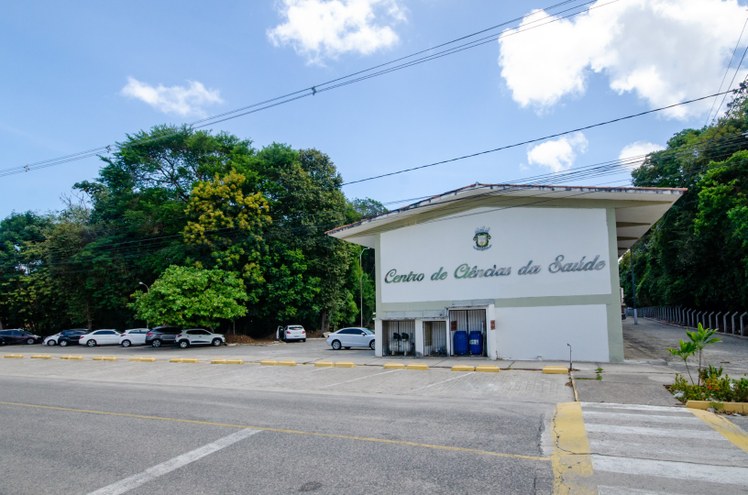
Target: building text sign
516, 252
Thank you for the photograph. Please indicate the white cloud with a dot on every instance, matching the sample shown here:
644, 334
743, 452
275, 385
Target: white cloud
180, 100
633, 154
320, 29
664, 51
559, 154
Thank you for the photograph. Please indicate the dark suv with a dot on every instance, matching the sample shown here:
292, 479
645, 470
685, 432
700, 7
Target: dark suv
162, 335
19, 336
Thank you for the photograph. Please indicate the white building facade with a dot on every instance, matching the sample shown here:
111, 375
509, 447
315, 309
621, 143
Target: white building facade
506, 271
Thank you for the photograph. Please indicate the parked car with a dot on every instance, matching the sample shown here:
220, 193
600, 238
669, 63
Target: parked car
65, 337
291, 332
2, 340
19, 336
159, 336
199, 336
351, 337
106, 336
133, 336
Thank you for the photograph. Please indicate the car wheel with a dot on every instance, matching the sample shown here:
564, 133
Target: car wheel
156, 343
125, 343
372, 345
303, 340
63, 343
51, 342
91, 343
217, 342
30, 341
184, 344
336, 345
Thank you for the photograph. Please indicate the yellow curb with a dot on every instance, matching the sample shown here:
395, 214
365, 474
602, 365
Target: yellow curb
184, 360
324, 364
394, 366
269, 362
463, 367
555, 370
345, 364
72, 358
728, 407
488, 369
143, 359
724, 427
417, 367
570, 460
286, 363
105, 358
227, 361
14, 356
41, 356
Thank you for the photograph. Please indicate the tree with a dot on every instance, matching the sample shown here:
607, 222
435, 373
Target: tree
186, 296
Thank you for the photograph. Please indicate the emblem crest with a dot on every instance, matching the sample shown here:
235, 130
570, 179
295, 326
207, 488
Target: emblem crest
482, 239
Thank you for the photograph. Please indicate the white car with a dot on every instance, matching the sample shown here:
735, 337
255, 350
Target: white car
292, 332
133, 336
351, 337
199, 336
107, 336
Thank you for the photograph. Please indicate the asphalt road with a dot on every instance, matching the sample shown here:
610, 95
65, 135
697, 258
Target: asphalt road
82, 437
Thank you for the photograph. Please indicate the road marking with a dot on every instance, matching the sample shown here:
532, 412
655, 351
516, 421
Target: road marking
641, 418
686, 471
360, 378
385, 441
572, 467
649, 431
445, 381
730, 431
150, 474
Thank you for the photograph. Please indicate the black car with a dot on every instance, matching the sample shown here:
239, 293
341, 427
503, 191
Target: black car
159, 336
19, 336
66, 337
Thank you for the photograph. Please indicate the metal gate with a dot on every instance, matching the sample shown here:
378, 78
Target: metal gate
434, 338
469, 320
398, 337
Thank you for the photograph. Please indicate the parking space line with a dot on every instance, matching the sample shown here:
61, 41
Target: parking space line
288, 431
445, 381
150, 474
360, 378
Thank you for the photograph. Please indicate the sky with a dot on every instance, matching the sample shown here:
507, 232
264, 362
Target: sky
78, 77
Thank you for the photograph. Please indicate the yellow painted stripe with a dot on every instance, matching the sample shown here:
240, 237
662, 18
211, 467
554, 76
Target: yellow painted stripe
386, 441
723, 407
394, 366
488, 369
345, 364
724, 427
324, 364
184, 360
41, 356
463, 367
572, 466
417, 366
143, 359
227, 361
555, 370
72, 358
286, 363
13, 356
269, 362
105, 358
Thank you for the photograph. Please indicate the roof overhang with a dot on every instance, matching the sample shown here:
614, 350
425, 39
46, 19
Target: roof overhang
636, 208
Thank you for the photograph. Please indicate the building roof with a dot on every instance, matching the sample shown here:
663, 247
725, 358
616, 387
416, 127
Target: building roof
636, 208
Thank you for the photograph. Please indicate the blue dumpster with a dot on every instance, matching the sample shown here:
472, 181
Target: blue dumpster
461, 343
476, 343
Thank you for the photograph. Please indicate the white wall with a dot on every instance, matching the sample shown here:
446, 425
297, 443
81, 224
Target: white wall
433, 261
527, 333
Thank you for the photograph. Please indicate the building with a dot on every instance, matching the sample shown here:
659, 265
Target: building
506, 271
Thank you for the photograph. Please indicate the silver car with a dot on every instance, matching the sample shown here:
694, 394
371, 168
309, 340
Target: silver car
351, 337
133, 336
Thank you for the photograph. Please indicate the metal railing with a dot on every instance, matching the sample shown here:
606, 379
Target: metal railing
727, 322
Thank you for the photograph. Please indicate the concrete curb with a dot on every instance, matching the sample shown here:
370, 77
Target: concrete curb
72, 358
13, 356
462, 367
143, 359
727, 407
227, 361
105, 358
487, 369
184, 360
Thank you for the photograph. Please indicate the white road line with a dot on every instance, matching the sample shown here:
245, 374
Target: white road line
685, 471
641, 418
360, 378
463, 375
631, 407
672, 432
127, 484
624, 490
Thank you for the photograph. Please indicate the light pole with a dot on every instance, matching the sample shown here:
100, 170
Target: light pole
361, 287
147, 289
